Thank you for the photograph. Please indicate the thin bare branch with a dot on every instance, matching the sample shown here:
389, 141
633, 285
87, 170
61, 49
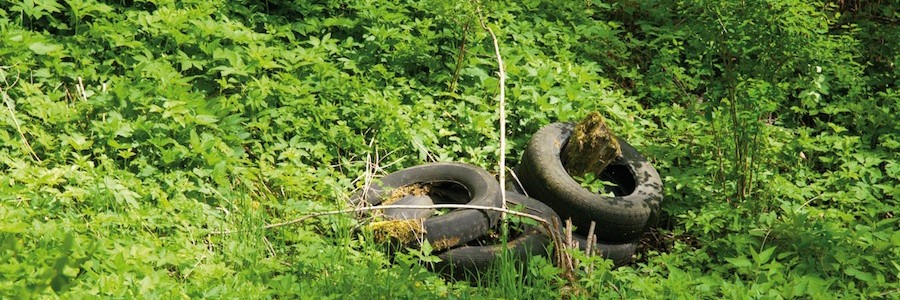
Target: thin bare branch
517, 182
502, 97
12, 114
459, 59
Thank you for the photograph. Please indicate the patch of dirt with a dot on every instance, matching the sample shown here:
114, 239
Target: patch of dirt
661, 241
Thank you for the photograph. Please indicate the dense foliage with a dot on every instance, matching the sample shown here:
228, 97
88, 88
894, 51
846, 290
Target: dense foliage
134, 131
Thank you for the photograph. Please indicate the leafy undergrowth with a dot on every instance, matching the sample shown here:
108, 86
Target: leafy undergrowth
134, 133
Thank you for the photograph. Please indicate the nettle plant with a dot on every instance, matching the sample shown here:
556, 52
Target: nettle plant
158, 122
133, 130
760, 106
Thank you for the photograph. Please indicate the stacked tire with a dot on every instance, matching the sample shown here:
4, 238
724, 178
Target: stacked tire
457, 236
477, 258
620, 219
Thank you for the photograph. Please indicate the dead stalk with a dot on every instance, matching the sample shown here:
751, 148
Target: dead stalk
518, 182
591, 240
12, 114
459, 59
80, 88
502, 96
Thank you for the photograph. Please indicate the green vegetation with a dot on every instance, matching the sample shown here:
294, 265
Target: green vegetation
133, 131
594, 184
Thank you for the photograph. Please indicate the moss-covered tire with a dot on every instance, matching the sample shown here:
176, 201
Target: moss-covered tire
475, 259
456, 227
619, 219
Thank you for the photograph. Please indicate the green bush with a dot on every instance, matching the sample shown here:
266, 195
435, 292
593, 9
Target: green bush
134, 132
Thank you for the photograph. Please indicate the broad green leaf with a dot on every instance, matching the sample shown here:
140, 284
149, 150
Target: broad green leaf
205, 120
861, 275
764, 256
42, 48
739, 262
79, 142
426, 247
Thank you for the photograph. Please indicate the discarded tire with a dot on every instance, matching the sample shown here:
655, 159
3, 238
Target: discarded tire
620, 254
456, 227
619, 219
474, 259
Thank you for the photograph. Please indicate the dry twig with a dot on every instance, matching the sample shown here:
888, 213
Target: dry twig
591, 240
502, 96
459, 59
12, 114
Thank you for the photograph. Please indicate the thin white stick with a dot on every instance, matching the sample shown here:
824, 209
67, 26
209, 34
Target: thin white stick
518, 182
502, 103
80, 87
590, 239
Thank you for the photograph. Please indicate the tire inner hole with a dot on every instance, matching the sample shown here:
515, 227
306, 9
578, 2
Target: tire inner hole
622, 177
448, 192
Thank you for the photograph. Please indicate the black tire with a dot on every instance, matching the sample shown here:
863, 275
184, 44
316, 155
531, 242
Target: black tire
619, 219
456, 227
620, 254
470, 260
